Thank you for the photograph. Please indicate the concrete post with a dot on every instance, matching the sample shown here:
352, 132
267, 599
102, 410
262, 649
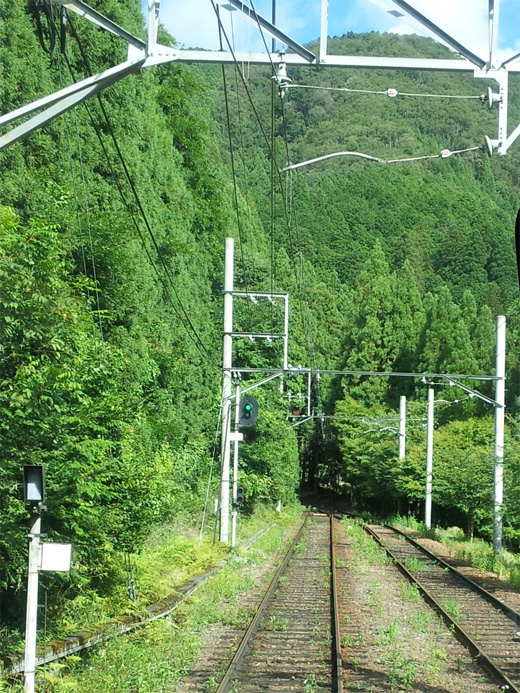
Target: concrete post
32, 600
227, 358
429, 462
499, 433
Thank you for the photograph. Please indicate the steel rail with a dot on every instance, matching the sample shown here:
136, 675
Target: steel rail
226, 683
466, 639
12, 664
337, 662
508, 611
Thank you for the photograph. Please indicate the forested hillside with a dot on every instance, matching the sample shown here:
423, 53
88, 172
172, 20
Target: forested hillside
402, 266
112, 227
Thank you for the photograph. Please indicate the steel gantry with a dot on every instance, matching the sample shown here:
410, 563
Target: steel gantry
147, 53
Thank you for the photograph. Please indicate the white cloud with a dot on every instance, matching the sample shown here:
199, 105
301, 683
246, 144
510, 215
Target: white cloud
193, 22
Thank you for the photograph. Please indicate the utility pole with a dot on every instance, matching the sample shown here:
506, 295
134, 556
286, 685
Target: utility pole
499, 433
402, 427
32, 598
429, 462
235, 469
226, 389
34, 495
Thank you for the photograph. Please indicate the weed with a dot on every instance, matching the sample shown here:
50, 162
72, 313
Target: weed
310, 684
422, 620
277, 623
346, 640
436, 660
452, 607
211, 685
401, 670
410, 592
388, 634
415, 565
365, 547
374, 599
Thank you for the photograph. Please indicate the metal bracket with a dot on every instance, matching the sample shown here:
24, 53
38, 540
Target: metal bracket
148, 53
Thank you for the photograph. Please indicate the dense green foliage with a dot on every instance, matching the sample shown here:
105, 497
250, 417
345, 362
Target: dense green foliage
112, 228
406, 267
110, 306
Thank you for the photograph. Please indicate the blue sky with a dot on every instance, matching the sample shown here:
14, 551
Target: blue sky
193, 24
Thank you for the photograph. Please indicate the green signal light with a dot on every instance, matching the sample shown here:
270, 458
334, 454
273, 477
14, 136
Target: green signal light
248, 412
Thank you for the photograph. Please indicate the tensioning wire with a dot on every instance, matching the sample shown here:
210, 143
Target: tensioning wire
391, 93
180, 310
444, 154
299, 268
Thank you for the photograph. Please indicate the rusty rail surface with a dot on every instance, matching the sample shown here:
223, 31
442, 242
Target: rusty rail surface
294, 641
494, 625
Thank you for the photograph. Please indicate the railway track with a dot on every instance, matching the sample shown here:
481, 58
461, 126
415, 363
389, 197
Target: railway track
292, 643
488, 627
321, 625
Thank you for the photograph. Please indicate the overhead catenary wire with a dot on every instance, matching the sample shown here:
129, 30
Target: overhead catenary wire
179, 309
233, 172
443, 154
391, 92
255, 110
299, 268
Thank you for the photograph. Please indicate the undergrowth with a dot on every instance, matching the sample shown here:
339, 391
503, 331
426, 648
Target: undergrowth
156, 656
476, 552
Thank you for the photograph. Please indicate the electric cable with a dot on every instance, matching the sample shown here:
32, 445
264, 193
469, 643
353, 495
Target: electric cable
391, 92
184, 318
233, 173
63, 46
210, 476
299, 271
39, 8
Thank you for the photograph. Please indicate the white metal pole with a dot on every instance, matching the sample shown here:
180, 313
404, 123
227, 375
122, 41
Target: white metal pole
494, 23
402, 427
503, 82
226, 389
499, 433
429, 463
32, 601
324, 30
235, 471
153, 21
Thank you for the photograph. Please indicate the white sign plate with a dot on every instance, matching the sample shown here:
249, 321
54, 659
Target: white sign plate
56, 557
236, 435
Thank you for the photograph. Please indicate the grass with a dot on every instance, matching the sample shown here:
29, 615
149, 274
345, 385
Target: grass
410, 592
477, 552
416, 565
363, 545
407, 645
453, 608
157, 656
